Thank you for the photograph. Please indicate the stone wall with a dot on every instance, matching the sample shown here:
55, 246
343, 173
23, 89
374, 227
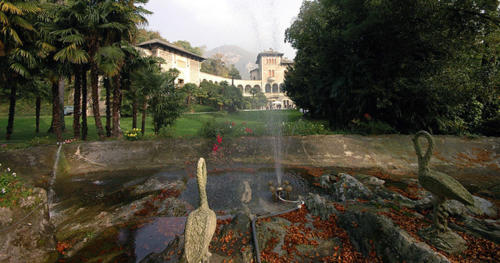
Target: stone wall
472, 161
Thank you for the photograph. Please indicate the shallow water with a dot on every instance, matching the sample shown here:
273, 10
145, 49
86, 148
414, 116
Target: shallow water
228, 192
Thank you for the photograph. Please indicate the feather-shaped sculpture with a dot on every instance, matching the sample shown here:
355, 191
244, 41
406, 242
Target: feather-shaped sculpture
442, 186
201, 223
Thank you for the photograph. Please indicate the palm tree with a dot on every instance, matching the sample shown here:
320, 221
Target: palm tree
105, 24
144, 79
61, 32
16, 48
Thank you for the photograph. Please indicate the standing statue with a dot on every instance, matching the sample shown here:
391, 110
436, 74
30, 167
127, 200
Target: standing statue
201, 223
442, 186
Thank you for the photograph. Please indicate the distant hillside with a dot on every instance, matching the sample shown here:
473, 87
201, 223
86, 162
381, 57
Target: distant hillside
242, 59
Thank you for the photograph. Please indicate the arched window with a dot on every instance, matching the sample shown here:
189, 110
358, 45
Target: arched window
275, 88
248, 88
257, 87
268, 88
240, 87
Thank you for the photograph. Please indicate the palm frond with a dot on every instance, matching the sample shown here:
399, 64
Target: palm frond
19, 69
113, 25
10, 8
110, 59
24, 56
13, 34
75, 38
71, 54
21, 22
28, 6
3, 18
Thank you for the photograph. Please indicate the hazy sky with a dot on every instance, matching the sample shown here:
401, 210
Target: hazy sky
254, 25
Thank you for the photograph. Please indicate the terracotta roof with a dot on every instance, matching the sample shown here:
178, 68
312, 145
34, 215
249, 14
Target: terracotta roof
169, 46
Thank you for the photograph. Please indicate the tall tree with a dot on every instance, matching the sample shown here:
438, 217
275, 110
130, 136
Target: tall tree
234, 73
17, 38
187, 46
408, 63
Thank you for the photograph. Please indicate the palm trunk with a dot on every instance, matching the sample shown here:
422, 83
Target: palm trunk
116, 106
76, 105
94, 81
37, 113
108, 106
56, 113
143, 124
12, 110
84, 104
60, 93
134, 112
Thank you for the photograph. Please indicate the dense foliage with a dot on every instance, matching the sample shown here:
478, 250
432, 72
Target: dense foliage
407, 64
222, 95
216, 66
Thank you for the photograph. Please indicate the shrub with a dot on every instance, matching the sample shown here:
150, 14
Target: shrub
491, 127
371, 127
167, 132
303, 127
133, 135
11, 188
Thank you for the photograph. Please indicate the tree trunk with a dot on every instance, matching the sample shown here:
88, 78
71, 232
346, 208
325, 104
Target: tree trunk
94, 81
116, 106
108, 106
56, 113
12, 110
134, 112
37, 113
143, 124
60, 93
76, 104
84, 104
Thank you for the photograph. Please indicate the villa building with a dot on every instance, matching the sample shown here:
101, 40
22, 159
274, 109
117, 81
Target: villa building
269, 75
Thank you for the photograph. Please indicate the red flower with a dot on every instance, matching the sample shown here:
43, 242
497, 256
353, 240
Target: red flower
219, 139
248, 130
367, 116
215, 148
233, 124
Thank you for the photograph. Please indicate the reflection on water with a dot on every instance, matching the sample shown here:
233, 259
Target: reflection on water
138, 236
155, 236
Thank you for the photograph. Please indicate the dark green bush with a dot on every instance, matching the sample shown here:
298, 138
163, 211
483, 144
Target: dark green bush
303, 127
371, 127
491, 127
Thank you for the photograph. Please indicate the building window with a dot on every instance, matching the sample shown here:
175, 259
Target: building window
268, 88
275, 88
273, 72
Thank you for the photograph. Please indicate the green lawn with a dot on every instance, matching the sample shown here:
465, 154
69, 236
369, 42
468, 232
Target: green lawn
187, 125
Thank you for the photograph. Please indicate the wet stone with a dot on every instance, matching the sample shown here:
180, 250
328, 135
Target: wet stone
448, 241
349, 188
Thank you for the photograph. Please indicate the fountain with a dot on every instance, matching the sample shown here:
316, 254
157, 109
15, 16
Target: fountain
52, 193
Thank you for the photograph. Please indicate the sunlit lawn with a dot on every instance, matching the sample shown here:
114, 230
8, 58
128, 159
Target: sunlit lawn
188, 125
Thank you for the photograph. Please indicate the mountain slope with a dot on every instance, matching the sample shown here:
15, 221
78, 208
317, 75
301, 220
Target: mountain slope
243, 60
